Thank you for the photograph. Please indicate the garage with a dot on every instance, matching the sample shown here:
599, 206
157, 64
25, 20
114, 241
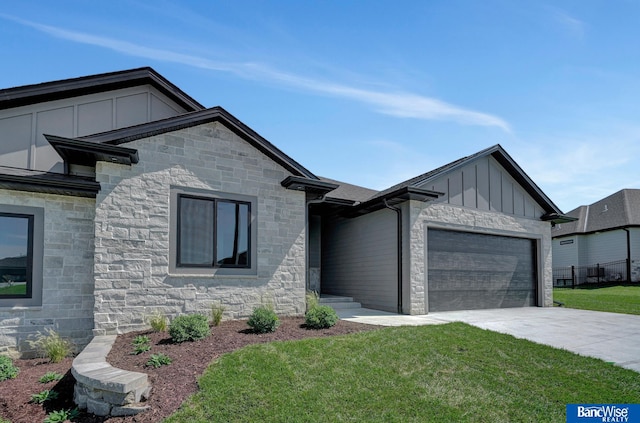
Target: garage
469, 271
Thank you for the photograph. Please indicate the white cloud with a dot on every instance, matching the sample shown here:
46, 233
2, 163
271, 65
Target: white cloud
574, 26
399, 104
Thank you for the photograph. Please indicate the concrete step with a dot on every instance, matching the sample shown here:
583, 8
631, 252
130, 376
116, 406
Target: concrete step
339, 302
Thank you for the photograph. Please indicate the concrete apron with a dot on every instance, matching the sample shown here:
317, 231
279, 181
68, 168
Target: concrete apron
612, 337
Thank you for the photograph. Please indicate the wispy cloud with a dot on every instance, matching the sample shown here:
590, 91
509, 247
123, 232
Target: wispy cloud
399, 104
574, 26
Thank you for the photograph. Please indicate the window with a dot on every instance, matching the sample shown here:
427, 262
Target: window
16, 255
21, 253
213, 233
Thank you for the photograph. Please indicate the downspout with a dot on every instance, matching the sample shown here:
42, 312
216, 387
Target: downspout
399, 253
628, 255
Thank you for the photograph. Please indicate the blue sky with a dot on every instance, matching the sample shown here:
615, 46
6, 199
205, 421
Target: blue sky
375, 92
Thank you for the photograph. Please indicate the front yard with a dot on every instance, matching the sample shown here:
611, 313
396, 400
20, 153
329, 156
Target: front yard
615, 299
445, 373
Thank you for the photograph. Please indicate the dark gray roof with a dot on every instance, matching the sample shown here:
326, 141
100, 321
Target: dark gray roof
618, 210
350, 192
47, 182
18, 262
74, 87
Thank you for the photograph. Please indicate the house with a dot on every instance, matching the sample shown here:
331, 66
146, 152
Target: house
602, 243
125, 197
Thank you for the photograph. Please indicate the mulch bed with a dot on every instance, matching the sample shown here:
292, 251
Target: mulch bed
171, 384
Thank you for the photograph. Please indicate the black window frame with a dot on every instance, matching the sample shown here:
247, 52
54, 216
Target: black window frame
214, 203
29, 266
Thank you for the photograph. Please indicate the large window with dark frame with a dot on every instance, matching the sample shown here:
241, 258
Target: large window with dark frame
213, 233
16, 255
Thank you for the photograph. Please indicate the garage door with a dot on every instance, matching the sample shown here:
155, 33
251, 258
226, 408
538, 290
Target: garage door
474, 271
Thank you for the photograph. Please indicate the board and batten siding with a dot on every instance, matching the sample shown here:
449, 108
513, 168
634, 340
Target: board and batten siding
359, 259
22, 128
485, 185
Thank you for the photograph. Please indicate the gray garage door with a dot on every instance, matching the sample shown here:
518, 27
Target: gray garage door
474, 271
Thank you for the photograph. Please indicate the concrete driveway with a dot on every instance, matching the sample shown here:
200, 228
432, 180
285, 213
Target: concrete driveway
611, 337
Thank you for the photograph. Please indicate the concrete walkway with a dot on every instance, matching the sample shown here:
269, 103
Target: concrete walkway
611, 337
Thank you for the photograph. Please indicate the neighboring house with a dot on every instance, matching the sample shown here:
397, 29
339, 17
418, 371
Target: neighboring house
127, 197
606, 231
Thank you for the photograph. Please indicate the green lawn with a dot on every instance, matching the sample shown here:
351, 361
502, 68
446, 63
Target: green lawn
616, 299
445, 373
19, 289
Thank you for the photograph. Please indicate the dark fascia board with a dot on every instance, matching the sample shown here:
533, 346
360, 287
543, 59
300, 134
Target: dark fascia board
188, 120
74, 87
86, 153
308, 185
393, 198
47, 182
557, 218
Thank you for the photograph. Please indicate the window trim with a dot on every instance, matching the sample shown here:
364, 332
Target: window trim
176, 268
35, 255
214, 204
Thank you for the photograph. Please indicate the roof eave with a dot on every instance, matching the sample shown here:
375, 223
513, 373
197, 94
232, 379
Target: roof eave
71, 186
298, 183
86, 153
393, 198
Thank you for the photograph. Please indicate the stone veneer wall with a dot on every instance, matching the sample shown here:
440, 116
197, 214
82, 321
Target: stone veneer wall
445, 216
67, 297
132, 230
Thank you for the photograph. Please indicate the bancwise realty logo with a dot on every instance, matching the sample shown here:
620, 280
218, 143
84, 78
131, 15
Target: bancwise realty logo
619, 413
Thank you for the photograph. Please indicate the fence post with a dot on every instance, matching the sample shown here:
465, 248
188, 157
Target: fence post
598, 271
573, 277
628, 269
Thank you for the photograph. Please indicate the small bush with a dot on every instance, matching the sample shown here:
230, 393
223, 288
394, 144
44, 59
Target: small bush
157, 360
217, 310
7, 369
50, 377
51, 346
46, 395
263, 320
320, 317
59, 416
158, 322
189, 327
141, 343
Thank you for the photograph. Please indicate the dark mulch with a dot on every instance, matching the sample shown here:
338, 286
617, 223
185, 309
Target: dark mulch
171, 385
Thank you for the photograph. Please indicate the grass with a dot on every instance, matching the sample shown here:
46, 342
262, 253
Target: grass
615, 299
443, 373
14, 290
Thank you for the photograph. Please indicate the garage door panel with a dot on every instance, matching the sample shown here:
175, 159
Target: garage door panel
469, 271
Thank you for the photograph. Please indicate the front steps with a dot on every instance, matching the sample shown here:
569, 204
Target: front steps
338, 302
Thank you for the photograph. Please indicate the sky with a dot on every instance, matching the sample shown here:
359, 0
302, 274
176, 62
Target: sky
376, 92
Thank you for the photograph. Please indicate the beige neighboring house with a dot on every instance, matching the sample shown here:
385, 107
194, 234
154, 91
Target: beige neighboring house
122, 196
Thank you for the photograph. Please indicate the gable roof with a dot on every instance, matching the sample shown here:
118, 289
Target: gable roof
74, 87
501, 156
117, 137
618, 210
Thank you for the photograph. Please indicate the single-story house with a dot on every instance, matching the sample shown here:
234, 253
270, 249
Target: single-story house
603, 241
125, 197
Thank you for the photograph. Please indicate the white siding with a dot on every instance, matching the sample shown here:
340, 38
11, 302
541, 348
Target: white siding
606, 247
565, 252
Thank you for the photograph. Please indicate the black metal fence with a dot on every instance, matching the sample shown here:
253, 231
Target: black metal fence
612, 273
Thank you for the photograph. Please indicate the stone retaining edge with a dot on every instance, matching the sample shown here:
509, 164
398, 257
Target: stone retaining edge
103, 389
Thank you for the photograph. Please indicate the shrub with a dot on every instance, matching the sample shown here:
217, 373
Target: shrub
7, 369
46, 395
59, 416
158, 322
50, 377
217, 310
51, 345
141, 343
157, 360
263, 320
189, 327
320, 317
